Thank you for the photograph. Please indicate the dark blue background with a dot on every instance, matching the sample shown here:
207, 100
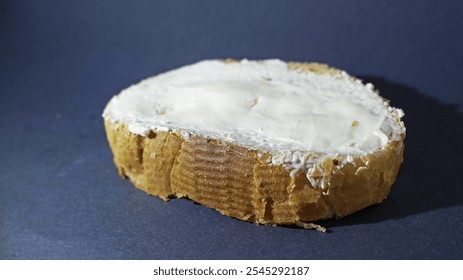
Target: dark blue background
61, 61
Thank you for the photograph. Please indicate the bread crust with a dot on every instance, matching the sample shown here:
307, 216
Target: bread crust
243, 183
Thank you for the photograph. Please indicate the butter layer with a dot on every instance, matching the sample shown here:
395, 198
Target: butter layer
264, 105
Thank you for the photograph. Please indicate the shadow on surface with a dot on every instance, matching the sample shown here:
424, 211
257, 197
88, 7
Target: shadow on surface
430, 176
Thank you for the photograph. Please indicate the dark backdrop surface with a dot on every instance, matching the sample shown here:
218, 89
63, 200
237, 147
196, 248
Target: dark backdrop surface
61, 61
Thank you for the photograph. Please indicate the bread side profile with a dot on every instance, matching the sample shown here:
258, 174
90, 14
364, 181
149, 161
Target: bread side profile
248, 183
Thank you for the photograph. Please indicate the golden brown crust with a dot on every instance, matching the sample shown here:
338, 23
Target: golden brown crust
239, 183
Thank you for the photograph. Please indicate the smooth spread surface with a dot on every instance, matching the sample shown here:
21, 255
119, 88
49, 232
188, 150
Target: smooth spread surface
264, 105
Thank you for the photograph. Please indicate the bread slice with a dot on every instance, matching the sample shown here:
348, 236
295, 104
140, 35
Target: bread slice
263, 141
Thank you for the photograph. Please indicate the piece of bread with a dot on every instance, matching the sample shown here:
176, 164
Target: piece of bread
290, 159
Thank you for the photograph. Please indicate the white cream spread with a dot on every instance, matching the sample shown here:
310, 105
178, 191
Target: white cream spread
262, 105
